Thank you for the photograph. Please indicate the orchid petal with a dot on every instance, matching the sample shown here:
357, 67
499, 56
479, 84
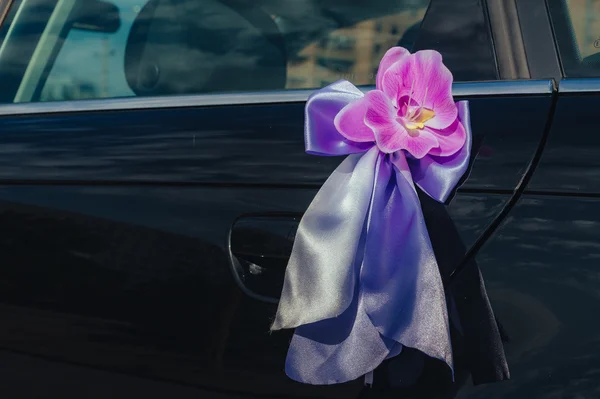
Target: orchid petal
422, 144
391, 138
450, 139
397, 80
350, 122
380, 110
433, 82
392, 56
445, 113
390, 135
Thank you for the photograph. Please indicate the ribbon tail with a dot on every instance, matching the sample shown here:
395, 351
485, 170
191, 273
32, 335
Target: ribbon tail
397, 300
400, 281
344, 346
320, 277
339, 349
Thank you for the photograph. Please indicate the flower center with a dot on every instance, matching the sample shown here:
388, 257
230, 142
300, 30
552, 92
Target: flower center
413, 117
416, 119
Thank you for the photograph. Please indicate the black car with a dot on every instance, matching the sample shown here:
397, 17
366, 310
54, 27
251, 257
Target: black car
153, 174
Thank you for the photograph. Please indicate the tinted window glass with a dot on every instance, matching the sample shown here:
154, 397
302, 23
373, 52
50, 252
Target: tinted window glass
577, 27
79, 49
460, 31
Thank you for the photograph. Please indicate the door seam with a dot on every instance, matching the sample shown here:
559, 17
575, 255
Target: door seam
517, 193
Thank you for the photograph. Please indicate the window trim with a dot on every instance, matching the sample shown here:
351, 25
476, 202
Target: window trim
5, 6
529, 49
579, 86
507, 39
459, 89
16, 35
539, 39
45, 51
5, 12
466, 55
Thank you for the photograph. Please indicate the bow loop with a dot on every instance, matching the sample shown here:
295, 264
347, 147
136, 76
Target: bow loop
321, 136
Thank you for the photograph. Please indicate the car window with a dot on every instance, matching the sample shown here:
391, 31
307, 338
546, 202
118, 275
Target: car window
55, 50
577, 29
90, 63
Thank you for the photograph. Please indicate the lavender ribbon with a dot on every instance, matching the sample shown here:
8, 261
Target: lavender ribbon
363, 280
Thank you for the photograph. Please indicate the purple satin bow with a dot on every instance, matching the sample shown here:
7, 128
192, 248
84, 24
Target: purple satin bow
362, 280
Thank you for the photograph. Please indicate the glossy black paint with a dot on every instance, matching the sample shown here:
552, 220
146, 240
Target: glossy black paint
570, 163
116, 228
542, 275
136, 280
116, 225
251, 144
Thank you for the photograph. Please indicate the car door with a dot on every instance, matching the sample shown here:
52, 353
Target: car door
153, 173
550, 240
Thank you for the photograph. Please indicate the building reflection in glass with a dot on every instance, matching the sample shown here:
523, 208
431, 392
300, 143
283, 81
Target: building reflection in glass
352, 53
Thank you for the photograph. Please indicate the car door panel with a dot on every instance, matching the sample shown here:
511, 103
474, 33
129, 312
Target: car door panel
115, 243
570, 162
146, 288
158, 302
241, 144
510, 138
541, 270
541, 265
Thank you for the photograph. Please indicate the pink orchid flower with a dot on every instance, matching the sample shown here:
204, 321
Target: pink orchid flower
411, 108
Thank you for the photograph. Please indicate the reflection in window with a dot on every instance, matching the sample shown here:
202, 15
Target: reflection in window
585, 19
577, 28
69, 89
336, 65
295, 83
324, 42
353, 53
342, 42
82, 54
90, 64
297, 60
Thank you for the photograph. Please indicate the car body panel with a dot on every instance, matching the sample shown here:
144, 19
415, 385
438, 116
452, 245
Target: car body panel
136, 280
120, 222
570, 163
240, 144
541, 271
